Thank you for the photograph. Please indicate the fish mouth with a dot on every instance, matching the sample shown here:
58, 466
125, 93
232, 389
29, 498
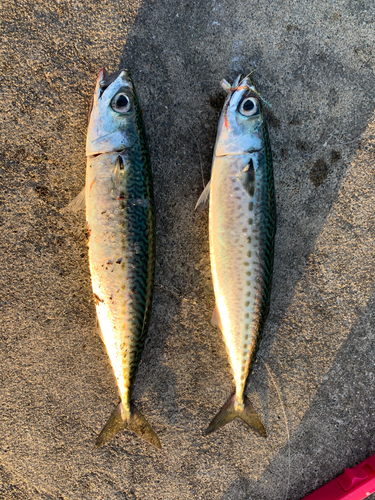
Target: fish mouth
250, 151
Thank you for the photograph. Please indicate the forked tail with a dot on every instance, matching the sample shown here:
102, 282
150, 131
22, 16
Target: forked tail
232, 410
136, 422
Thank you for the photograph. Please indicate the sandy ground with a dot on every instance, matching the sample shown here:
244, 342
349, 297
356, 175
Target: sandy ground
313, 383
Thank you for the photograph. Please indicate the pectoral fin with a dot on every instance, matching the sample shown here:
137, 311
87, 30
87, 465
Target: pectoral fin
77, 203
248, 178
121, 168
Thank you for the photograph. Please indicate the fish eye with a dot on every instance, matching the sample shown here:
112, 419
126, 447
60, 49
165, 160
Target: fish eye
121, 103
249, 106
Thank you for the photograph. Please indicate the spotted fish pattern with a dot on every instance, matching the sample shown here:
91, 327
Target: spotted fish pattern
242, 230
121, 224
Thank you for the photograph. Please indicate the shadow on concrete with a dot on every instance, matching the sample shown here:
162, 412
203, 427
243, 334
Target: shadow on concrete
337, 430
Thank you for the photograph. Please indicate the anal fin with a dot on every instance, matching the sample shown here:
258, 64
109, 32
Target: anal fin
216, 320
99, 330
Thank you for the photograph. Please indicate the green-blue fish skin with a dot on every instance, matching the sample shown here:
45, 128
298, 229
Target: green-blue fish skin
242, 230
121, 223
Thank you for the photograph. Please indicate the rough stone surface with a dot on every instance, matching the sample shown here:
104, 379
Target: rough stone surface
313, 383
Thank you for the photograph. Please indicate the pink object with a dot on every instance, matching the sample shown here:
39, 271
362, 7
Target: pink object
355, 484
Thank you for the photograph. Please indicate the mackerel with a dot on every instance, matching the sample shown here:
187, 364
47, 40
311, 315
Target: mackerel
241, 233
121, 226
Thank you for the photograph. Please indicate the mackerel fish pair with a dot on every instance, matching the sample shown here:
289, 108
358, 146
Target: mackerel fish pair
121, 224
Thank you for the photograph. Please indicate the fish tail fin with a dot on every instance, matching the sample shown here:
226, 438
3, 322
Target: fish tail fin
231, 410
135, 421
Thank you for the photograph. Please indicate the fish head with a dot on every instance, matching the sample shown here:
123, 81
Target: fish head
113, 114
240, 127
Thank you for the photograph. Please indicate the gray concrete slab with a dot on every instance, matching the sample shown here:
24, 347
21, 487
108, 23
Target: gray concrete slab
313, 382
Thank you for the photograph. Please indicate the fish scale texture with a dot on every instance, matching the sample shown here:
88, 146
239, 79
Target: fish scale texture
140, 231
270, 227
314, 64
